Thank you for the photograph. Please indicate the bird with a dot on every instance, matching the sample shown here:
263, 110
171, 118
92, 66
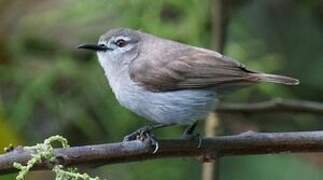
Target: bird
168, 82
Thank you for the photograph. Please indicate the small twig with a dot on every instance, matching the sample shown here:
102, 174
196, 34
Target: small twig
246, 143
276, 105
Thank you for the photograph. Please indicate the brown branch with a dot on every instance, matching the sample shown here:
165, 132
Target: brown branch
246, 143
276, 105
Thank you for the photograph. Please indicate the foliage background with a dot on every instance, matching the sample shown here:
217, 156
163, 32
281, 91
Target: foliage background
47, 87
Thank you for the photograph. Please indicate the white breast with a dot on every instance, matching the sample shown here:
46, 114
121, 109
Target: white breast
181, 107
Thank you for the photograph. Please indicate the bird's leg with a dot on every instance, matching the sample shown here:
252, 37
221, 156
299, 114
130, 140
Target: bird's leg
144, 133
189, 134
190, 129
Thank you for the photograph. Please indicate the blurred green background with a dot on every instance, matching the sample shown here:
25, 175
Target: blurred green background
48, 87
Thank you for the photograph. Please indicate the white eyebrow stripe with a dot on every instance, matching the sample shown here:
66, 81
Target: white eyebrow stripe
122, 37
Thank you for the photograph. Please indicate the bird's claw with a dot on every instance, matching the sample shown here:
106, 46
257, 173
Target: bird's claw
138, 134
195, 138
143, 134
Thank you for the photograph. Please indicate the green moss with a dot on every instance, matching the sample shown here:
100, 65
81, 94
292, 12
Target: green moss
45, 152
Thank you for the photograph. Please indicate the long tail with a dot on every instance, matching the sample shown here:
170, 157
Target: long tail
272, 78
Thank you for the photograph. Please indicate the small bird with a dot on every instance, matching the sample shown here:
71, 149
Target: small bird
169, 82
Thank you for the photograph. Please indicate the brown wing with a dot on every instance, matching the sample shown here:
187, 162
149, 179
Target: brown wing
188, 68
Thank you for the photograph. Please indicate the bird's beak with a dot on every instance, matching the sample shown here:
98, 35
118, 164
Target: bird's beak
94, 47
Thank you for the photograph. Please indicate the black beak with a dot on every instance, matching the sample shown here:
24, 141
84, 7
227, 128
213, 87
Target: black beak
94, 47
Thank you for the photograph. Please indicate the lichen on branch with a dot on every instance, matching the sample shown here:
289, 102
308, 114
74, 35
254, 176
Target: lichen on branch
45, 152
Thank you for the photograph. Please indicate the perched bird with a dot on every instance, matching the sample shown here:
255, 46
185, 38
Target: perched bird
169, 82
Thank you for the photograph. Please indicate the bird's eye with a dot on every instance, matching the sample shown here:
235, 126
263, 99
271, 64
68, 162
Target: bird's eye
121, 43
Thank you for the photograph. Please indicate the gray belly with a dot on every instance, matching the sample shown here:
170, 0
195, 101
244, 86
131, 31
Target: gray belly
180, 107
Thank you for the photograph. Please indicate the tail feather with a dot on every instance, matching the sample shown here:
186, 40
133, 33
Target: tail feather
272, 78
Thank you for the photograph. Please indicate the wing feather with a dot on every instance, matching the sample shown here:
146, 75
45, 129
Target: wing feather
188, 68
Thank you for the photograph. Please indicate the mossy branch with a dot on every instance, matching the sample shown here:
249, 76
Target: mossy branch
246, 143
44, 152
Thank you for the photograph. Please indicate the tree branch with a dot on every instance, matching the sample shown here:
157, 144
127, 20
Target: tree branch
246, 143
275, 105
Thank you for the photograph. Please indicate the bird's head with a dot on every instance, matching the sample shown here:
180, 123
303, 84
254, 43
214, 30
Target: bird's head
117, 47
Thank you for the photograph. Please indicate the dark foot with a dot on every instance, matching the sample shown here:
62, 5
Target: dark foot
189, 135
139, 134
190, 129
144, 134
